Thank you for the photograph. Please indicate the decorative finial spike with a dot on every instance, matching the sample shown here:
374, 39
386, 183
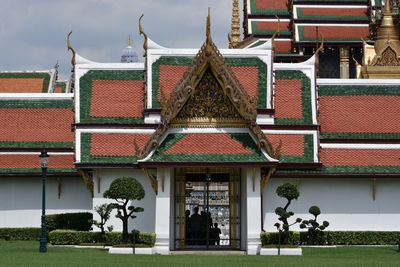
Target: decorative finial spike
234, 38
129, 40
70, 48
208, 26
144, 35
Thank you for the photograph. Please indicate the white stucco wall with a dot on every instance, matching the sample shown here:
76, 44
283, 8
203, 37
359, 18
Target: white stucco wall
145, 221
346, 203
21, 199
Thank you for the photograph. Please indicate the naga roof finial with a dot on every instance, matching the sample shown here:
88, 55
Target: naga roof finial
208, 27
70, 48
144, 35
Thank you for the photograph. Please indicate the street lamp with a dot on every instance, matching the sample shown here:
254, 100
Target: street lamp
44, 162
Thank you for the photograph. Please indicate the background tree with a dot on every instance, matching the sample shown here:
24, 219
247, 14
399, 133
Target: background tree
289, 192
123, 190
314, 228
104, 211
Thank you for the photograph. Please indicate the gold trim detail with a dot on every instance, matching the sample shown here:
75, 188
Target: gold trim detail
265, 179
153, 180
234, 35
70, 48
88, 179
208, 60
141, 32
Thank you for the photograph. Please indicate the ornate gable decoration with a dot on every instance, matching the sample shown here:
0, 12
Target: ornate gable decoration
208, 95
388, 57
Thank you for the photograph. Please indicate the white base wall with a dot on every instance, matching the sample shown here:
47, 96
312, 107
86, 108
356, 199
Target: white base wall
21, 199
347, 204
145, 221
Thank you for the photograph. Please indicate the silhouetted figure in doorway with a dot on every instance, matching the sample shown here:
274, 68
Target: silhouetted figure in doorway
195, 226
215, 232
187, 227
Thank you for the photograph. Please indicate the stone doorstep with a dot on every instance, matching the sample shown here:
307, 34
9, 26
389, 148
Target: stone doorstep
284, 251
139, 251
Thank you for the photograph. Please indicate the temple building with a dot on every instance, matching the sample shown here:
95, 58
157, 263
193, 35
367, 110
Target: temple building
214, 131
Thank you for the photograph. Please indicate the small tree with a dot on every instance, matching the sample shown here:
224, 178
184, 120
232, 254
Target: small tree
315, 230
123, 190
289, 192
104, 211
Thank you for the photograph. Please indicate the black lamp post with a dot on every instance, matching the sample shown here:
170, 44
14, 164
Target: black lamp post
44, 161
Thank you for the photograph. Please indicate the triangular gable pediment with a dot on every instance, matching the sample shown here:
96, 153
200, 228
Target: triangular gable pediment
210, 93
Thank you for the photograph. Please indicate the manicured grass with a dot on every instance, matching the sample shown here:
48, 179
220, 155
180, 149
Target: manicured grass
25, 253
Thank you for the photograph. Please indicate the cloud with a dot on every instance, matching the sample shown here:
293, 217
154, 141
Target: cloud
33, 33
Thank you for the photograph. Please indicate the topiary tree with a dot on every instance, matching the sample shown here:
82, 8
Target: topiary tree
314, 228
123, 190
289, 192
104, 211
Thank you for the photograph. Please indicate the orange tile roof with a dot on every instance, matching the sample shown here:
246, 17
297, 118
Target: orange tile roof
334, 11
117, 98
248, 78
17, 161
268, 4
335, 32
283, 46
360, 157
208, 144
169, 77
36, 124
21, 85
288, 99
112, 144
292, 144
359, 114
272, 25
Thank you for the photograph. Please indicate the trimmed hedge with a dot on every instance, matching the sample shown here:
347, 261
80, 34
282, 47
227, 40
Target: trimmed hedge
71, 237
20, 233
80, 221
337, 238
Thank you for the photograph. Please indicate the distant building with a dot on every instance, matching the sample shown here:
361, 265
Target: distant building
128, 54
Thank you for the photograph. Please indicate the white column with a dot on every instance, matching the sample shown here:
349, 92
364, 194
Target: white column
163, 211
253, 177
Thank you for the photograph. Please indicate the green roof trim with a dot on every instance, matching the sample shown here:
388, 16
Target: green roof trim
40, 104
272, 12
87, 157
27, 75
344, 170
37, 170
233, 62
243, 138
300, 15
8, 144
308, 156
305, 95
330, 135
86, 93
256, 31
354, 90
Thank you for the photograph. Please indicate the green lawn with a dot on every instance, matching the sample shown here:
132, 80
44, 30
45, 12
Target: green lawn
25, 253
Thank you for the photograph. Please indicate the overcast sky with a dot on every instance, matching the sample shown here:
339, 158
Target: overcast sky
33, 32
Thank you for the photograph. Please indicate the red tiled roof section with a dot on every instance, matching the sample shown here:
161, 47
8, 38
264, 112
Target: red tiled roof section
58, 89
292, 144
336, 32
271, 4
359, 157
248, 78
21, 85
359, 114
117, 98
104, 144
32, 161
335, 11
272, 25
208, 144
36, 125
169, 77
288, 99
283, 46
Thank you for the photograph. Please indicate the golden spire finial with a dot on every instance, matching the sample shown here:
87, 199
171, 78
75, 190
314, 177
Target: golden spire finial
234, 35
144, 35
387, 32
129, 40
70, 48
208, 26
